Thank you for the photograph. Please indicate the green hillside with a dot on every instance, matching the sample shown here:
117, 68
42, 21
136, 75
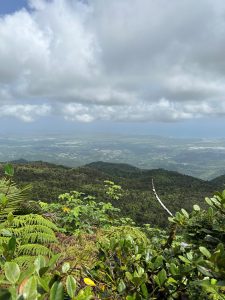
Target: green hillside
81, 249
175, 190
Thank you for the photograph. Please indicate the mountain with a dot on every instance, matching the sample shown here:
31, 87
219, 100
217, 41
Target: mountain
219, 182
138, 201
115, 169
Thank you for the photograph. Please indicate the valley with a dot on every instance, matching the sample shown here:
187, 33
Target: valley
201, 158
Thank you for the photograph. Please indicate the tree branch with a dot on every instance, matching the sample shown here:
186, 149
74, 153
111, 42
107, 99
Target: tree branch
160, 202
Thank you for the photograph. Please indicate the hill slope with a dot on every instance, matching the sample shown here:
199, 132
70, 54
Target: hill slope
175, 190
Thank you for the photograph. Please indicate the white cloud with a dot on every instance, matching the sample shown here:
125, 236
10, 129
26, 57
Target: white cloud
25, 112
120, 60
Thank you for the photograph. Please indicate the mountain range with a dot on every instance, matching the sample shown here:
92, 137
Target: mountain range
138, 201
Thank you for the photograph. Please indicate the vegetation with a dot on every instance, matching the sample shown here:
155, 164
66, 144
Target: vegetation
81, 248
137, 200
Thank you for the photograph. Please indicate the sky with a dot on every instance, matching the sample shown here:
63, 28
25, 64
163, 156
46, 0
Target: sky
134, 66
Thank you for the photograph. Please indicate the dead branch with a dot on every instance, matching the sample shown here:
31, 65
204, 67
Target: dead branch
160, 202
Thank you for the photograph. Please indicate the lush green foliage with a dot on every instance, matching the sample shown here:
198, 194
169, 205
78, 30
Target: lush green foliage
108, 258
77, 212
137, 201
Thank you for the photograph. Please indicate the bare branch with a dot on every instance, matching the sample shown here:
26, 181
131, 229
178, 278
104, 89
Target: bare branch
160, 202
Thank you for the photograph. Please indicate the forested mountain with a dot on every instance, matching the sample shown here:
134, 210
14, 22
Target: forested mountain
79, 247
176, 190
219, 182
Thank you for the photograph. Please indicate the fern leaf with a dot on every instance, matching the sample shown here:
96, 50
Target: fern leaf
24, 260
34, 249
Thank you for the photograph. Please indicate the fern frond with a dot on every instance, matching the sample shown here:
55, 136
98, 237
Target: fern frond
40, 237
4, 240
27, 229
24, 260
33, 219
33, 249
15, 195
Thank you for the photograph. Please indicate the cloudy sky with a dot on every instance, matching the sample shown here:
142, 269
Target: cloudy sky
145, 65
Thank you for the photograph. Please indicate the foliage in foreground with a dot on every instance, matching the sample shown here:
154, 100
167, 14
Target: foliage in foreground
125, 262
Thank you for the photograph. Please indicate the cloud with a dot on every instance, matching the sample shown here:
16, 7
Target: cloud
25, 112
120, 60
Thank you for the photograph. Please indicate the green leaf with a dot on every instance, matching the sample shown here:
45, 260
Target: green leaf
85, 294
185, 213
144, 290
12, 244
131, 297
129, 276
39, 263
53, 260
30, 289
162, 277
208, 201
205, 252
174, 270
121, 286
12, 271
204, 271
56, 292
71, 285
9, 170
44, 282
171, 219
184, 259
27, 273
65, 267
196, 207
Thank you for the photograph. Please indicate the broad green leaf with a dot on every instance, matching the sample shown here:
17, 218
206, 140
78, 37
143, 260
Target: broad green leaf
27, 273
208, 201
185, 213
39, 263
129, 276
205, 271
53, 260
12, 271
85, 294
29, 290
12, 244
184, 259
65, 267
172, 219
156, 279
56, 292
131, 297
162, 277
144, 290
158, 261
121, 286
196, 207
174, 270
205, 252
44, 282
71, 285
